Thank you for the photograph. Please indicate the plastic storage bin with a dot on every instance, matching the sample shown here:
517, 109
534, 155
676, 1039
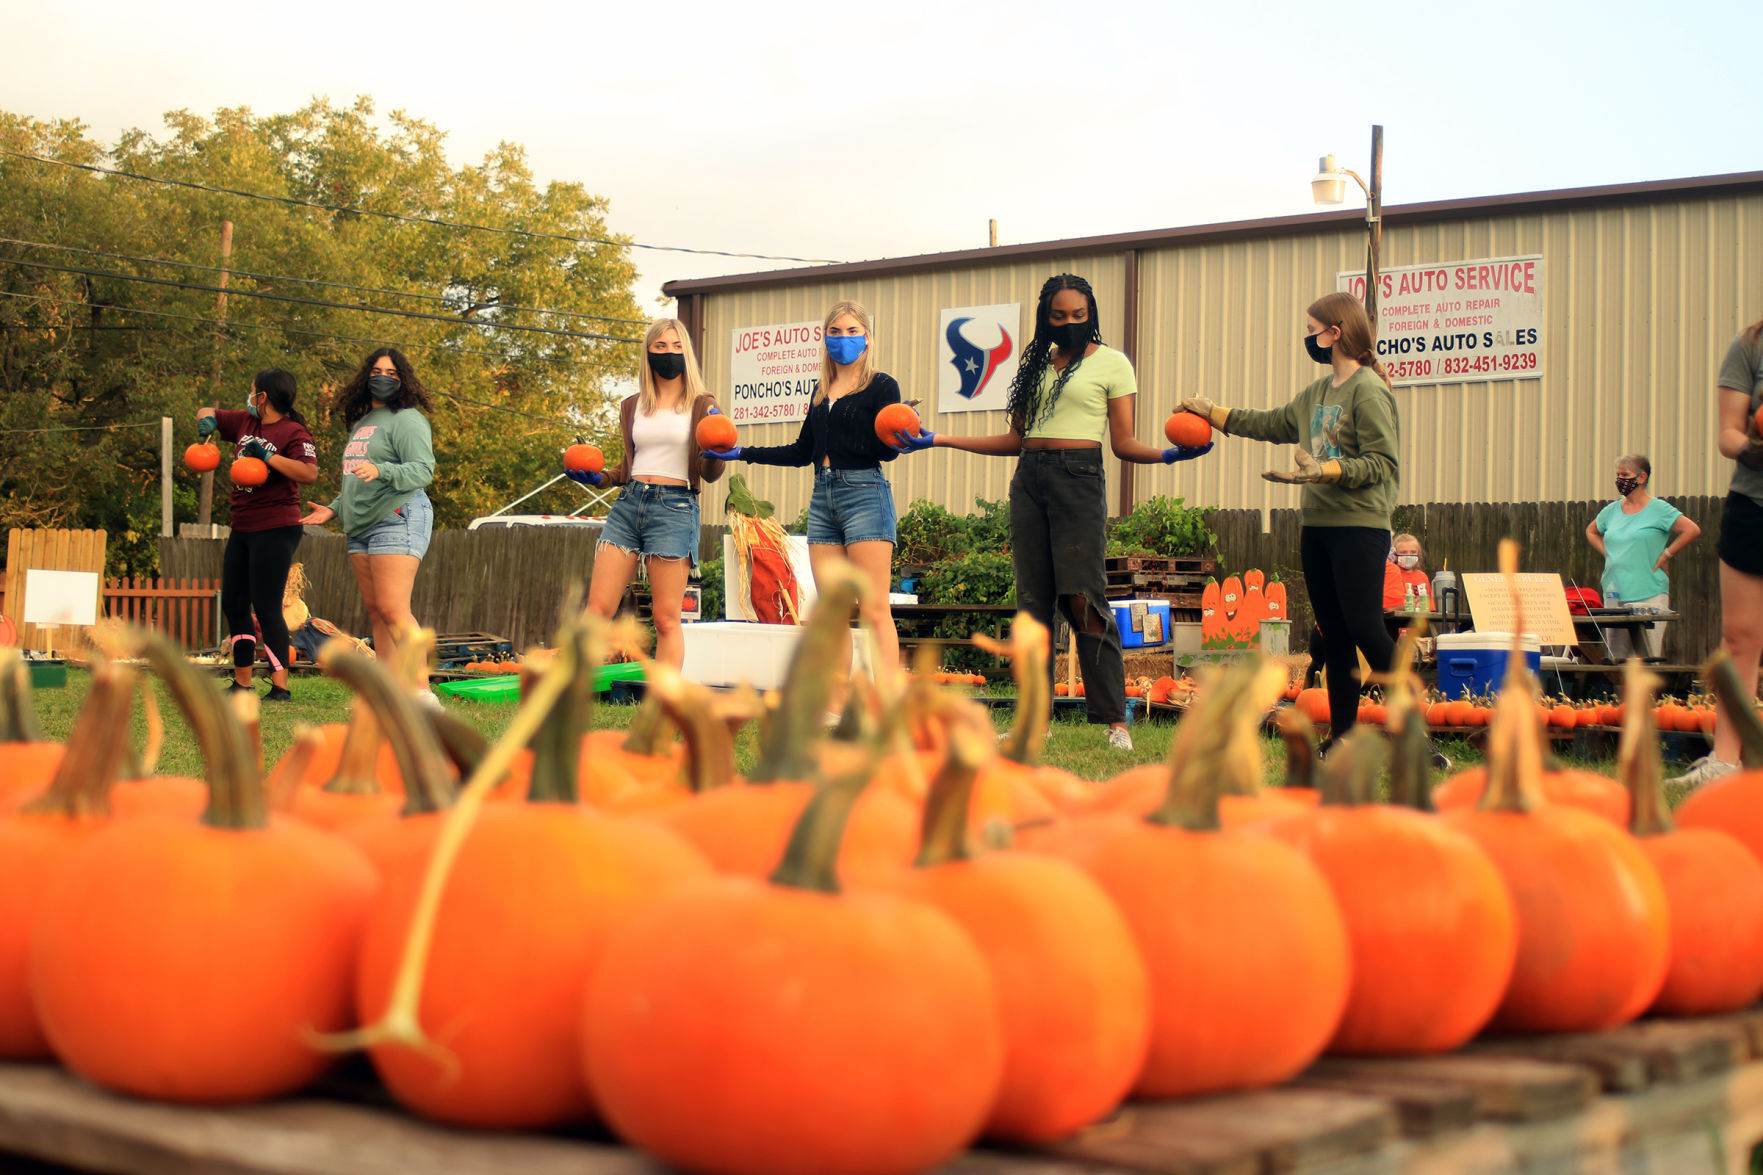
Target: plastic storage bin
1476, 661
1143, 624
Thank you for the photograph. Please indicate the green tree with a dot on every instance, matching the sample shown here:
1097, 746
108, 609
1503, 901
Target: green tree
82, 351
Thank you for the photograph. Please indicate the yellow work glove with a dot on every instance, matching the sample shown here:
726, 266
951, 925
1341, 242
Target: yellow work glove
1309, 469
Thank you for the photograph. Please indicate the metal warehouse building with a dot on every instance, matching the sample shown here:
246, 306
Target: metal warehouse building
1540, 337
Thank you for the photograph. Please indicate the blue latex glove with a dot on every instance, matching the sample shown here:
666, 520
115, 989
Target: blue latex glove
906, 443
583, 477
207, 426
253, 448
1185, 452
733, 454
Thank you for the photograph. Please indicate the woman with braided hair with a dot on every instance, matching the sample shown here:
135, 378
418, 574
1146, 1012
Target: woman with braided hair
1347, 433
1070, 391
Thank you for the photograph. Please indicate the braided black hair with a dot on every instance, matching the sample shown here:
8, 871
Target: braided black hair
1026, 407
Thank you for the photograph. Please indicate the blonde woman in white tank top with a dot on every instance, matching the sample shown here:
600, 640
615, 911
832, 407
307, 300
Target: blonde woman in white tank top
656, 519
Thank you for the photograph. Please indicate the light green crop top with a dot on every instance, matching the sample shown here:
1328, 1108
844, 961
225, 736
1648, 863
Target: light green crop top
1081, 411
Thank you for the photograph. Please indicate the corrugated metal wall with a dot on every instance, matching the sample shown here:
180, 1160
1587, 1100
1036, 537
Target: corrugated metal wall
905, 310
1641, 301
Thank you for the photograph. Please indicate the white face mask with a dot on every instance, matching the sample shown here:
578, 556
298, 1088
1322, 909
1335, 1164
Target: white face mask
1407, 562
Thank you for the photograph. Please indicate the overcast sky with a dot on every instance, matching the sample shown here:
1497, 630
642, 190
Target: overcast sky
859, 131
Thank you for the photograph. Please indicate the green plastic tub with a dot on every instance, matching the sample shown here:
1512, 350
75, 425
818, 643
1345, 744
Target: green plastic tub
506, 688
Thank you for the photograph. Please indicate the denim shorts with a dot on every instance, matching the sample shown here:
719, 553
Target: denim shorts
654, 521
405, 531
850, 506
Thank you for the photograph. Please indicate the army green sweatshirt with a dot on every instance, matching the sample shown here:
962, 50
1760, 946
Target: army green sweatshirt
1355, 425
399, 444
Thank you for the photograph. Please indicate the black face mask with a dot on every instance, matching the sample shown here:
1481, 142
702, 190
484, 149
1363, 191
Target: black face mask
1625, 485
382, 387
1072, 337
667, 364
1319, 353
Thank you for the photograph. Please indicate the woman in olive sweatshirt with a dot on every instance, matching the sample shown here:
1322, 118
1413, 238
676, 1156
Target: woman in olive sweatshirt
1347, 433
386, 515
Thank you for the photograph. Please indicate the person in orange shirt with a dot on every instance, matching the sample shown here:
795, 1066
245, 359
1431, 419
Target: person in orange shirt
1403, 571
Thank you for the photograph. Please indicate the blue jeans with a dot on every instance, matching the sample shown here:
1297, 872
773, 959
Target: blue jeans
850, 506
654, 521
405, 531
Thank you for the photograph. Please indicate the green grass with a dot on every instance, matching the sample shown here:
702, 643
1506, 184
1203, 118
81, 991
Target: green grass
1072, 744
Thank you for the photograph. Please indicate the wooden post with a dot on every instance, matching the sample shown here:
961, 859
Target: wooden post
1374, 227
205, 502
993, 232
165, 477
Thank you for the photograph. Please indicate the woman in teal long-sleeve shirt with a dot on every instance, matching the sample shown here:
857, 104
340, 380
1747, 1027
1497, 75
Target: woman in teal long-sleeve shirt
385, 511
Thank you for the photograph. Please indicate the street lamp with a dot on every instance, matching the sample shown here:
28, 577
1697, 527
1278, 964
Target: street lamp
1330, 186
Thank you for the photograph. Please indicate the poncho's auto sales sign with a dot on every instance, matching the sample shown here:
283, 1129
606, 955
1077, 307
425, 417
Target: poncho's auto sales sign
774, 371
1458, 322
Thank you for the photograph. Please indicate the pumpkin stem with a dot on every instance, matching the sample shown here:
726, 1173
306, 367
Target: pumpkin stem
1217, 747
1411, 762
1515, 745
1350, 771
81, 785
382, 703
702, 720
811, 860
650, 729
1737, 705
279, 789
400, 1024
248, 709
557, 746
1299, 734
18, 719
148, 763
1637, 755
357, 772
1029, 647
944, 837
235, 789
786, 748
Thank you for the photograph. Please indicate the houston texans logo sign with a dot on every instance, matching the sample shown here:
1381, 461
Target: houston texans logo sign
973, 363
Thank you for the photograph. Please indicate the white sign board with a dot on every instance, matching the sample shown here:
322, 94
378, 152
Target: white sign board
774, 371
60, 597
1458, 321
978, 349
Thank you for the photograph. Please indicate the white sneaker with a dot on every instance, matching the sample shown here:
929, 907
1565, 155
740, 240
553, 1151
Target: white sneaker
1120, 738
1704, 770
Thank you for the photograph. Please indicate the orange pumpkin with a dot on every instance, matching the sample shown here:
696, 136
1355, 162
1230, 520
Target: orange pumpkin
35, 842
1072, 988
1586, 790
1211, 613
27, 761
202, 457
895, 418
1732, 804
1713, 886
1313, 704
874, 976
1275, 597
1250, 970
717, 432
583, 458
1230, 596
1188, 429
192, 962
248, 471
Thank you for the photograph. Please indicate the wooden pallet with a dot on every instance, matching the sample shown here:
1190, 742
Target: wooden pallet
1662, 1096
1162, 564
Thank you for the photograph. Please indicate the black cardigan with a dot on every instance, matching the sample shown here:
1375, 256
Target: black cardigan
842, 431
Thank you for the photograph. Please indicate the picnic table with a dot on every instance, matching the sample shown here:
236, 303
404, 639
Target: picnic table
1661, 1096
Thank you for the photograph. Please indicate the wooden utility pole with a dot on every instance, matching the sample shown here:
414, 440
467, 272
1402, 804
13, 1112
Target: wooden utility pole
165, 530
994, 232
205, 503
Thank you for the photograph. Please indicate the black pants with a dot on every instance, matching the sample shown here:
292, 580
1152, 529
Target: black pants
254, 574
1058, 540
1343, 572
1314, 673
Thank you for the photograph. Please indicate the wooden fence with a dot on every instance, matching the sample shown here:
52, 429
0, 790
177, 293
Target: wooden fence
48, 550
186, 610
1468, 534
512, 581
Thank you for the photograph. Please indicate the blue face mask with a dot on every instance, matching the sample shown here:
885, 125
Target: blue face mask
249, 406
846, 348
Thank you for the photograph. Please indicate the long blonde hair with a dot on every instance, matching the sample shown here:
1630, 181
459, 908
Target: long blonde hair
865, 362
646, 378
1348, 313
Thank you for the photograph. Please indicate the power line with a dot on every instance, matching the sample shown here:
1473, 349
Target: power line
448, 319
82, 428
312, 281
482, 228
562, 424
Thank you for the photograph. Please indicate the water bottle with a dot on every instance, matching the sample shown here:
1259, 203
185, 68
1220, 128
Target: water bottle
1611, 599
1408, 599
1444, 590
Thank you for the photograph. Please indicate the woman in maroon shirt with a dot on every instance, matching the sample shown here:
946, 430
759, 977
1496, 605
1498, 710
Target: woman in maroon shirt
265, 521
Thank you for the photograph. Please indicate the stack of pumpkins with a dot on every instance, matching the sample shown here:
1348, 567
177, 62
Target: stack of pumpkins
863, 957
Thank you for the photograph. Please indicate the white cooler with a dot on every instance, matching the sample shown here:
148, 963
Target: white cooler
729, 652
